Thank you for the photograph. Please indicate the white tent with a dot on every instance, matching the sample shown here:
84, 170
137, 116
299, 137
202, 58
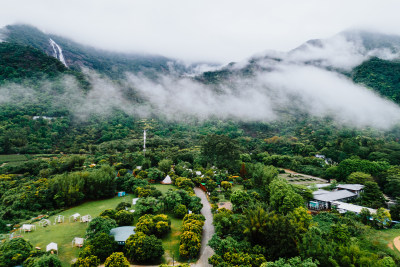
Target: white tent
86, 218
134, 201
74, 217
52, 246
198, 173
167, 180
78, 241
27, 227
59, 219
44, 223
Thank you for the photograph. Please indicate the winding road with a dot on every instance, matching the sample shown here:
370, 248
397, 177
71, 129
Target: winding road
208, 230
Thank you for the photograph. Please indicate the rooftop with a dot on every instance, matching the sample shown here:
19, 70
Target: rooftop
343, 207
121, 234
355, 187
321, 191
335, 195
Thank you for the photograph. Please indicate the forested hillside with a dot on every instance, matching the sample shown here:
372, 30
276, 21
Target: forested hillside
71, 136
77, 55
380, 75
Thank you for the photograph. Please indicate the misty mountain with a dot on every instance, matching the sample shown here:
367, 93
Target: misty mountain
322, 78
77, 55
367, 58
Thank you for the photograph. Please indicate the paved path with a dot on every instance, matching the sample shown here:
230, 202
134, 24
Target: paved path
208, 230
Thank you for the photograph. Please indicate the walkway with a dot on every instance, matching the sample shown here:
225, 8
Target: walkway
208, 230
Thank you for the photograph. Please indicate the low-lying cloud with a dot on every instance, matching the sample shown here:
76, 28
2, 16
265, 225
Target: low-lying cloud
342, 51
288, 88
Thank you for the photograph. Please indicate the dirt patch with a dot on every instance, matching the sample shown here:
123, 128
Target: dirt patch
290, 171
390, 245
226, 205
396, 242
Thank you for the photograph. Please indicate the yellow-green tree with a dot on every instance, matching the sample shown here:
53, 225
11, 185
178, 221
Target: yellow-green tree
117, 259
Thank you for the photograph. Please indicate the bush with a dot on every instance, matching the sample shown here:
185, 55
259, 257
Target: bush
124, 218
90, 261
190, 242
14, 252
123, 206
180, 211
100, 225
102, 245
158, 225
143, 248
117, 259
108, 213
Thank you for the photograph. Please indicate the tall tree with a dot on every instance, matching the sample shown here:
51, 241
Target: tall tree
220, 151
283, 198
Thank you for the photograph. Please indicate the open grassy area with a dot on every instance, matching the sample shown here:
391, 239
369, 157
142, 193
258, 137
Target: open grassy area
171, 241
383, 239
63, 233
164, 187
12, 158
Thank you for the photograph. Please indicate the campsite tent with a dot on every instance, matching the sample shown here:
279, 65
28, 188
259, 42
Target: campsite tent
86, 218
74, 217
167, 180
134, 201
27, 227
121, 193
59, 219
52, 247
78, 242
44, 223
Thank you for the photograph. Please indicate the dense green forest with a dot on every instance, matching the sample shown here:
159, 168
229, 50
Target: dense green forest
67, 159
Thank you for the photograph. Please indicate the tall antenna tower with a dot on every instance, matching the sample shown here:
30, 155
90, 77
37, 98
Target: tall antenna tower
144, 143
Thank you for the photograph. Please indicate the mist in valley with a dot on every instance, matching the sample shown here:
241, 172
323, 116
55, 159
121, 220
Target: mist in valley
299, 82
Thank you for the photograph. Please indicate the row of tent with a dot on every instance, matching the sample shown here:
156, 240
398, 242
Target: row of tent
58, 219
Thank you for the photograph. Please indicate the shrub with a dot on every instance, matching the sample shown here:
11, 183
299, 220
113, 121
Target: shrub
143, 248
124, 218
180, 211
117, 259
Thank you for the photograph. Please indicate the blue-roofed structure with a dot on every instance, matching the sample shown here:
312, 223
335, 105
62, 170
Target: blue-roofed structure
121, 234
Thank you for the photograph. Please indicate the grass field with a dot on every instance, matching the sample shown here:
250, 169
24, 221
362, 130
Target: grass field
63, 233
12, 158
164, 187
383, 239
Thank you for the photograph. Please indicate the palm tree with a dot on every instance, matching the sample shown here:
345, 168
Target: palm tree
255, 222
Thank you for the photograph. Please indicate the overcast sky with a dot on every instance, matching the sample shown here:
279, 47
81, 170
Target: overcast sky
203, 30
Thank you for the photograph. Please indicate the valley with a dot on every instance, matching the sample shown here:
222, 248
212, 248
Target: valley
284, 159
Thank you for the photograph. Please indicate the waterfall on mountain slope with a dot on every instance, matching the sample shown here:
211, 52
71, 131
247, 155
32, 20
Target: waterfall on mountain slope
57, 52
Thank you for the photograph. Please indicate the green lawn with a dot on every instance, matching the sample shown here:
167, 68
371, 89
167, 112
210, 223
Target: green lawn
171, 241
383, 239
63, 233
164, 187
12, 158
